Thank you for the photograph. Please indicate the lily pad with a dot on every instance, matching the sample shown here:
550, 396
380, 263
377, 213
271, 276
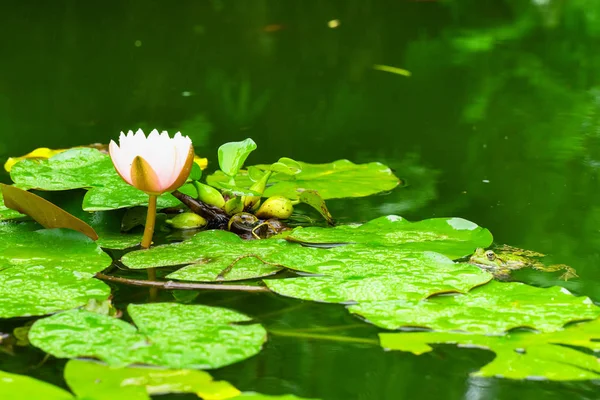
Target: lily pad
185, 336
208, 253
232, 155
362, 273
258, 396
108, 226
92, 380
20, 247
519, 355
491, 309
122, 195
335, 180
39, 290
14, 386
46, 271
453, 237
84, 168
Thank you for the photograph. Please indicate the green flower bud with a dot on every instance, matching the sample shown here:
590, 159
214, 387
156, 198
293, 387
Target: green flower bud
252, 202
276, 207
234, 205
209, 195
187, 220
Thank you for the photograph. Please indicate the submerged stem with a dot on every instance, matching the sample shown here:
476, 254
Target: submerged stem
170, 285
316, 336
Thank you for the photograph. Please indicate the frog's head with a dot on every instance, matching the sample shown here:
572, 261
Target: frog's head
484, 257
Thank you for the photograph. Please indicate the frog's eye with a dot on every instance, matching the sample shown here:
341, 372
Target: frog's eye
490, 255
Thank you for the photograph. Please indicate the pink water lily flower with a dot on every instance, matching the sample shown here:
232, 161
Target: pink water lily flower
155, 164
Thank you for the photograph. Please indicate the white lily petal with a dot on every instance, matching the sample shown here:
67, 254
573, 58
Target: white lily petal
166, 156
120, 163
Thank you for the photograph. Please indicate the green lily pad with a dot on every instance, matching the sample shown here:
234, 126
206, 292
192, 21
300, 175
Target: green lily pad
519, 355
108, 226
84, 168
258, 396
47, 271
92, 380
346, 273
20, 247
168, 334
335, 180
122, 195
355, 273
491, 309
232, 155
17, 387
39, 290
453, 237
72, 169
208, 253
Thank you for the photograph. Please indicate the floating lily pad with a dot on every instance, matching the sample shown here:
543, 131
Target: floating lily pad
208, 253
335, 180
91, 380
95, 381
233, 155
491, 309
453, 237
258, 396
184, 336
122, 195
84, 168
14, 386
20, 246
361, 273
73, 169
108, 226
39, 290
519, 355
46, 271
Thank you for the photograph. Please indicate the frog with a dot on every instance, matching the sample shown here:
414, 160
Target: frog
504, 259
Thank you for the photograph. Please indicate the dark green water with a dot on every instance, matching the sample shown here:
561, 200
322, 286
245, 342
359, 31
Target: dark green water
499, 123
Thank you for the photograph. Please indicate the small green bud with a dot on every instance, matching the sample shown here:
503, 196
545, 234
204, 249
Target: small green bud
275, 207
209, 195
252, 202
234, 205
187, 220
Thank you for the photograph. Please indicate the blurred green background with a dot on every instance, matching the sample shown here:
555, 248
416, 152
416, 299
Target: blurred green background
498, 123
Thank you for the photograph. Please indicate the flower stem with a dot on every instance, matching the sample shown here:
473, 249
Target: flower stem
147, 240
150, 222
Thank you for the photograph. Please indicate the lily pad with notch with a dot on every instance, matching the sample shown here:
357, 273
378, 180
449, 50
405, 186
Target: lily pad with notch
453, 237
491, 309
90, 380
185, 336
359, 273
339, 179
84, 168
207, 254
560, 356
48, 270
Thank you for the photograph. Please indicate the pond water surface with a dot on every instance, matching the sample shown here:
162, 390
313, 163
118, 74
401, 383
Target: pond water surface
498, 123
